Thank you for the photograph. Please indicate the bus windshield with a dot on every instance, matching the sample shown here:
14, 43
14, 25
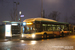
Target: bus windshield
29, 29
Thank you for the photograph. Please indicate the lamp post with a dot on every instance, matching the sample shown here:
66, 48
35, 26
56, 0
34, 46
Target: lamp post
20, 15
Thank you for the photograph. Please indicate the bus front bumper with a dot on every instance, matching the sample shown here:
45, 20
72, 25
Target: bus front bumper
32, 36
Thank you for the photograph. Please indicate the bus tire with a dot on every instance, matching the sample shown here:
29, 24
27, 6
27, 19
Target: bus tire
45, 35
55, 35
62, 34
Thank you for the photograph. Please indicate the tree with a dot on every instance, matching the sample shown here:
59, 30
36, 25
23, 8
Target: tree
13, 14
73, 16
66, 18
54, 15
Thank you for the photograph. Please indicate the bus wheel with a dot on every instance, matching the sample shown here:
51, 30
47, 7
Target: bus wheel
55, 35
45, 36
62, 34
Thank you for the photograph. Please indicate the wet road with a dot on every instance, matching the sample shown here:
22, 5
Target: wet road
61, 43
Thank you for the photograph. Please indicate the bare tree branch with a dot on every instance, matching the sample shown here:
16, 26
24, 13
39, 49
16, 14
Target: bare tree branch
54, 15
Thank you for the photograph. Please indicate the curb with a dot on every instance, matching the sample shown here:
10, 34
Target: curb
3, 40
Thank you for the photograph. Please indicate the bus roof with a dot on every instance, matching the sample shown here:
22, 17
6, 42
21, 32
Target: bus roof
53, 22
38, 19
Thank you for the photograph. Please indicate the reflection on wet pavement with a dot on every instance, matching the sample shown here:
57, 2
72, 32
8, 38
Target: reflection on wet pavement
62, 43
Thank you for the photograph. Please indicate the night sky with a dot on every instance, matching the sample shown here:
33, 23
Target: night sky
32, 8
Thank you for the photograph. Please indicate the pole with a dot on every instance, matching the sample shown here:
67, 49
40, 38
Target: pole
20, 19
41, 8
20, 15
16, 11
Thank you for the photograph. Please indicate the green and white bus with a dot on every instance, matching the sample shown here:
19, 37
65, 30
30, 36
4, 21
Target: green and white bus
43, 28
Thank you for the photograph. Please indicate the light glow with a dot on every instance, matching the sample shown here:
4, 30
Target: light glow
24, 23
22, 35
33, 35
22, 16
14, 24
8, 30
22, 41
53, 1
29, 23
20, 12
33, 42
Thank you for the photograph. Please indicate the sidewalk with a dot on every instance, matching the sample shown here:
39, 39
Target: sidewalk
3, 40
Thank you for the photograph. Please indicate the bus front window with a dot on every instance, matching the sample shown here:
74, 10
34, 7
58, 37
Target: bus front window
29, 29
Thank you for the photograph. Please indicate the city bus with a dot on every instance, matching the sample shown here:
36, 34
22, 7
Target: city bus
43, 28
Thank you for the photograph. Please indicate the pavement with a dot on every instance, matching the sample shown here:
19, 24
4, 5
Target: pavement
4, 40
60, 43
16, 39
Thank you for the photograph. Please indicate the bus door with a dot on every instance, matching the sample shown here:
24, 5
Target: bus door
73, 29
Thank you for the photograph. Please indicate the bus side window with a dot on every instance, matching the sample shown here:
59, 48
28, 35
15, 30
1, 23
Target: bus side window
44, 27
62, 27
66, 28
58, 28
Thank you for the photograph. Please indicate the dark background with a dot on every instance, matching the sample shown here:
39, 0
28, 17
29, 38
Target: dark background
32, 9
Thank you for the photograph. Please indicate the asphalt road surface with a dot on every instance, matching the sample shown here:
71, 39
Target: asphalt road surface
61, 43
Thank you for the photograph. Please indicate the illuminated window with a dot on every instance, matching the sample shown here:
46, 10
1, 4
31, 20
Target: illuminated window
49, 28
58, 28
30, 28
44, 24
27, 28
54, 28
53, 25
65, 28
49, 24
62, 27
8, 30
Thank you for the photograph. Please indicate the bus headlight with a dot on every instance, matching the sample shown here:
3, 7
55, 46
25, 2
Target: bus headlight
22, 35
33, 35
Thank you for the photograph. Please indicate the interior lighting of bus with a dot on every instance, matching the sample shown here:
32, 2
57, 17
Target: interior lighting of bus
14, 24
31, 28
70, 31
49, 24
8, 30
29, 23
44, 24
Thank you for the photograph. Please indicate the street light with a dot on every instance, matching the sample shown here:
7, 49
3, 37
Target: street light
20, 12
20, 15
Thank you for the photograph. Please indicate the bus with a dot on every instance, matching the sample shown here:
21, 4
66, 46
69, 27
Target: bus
43, 28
